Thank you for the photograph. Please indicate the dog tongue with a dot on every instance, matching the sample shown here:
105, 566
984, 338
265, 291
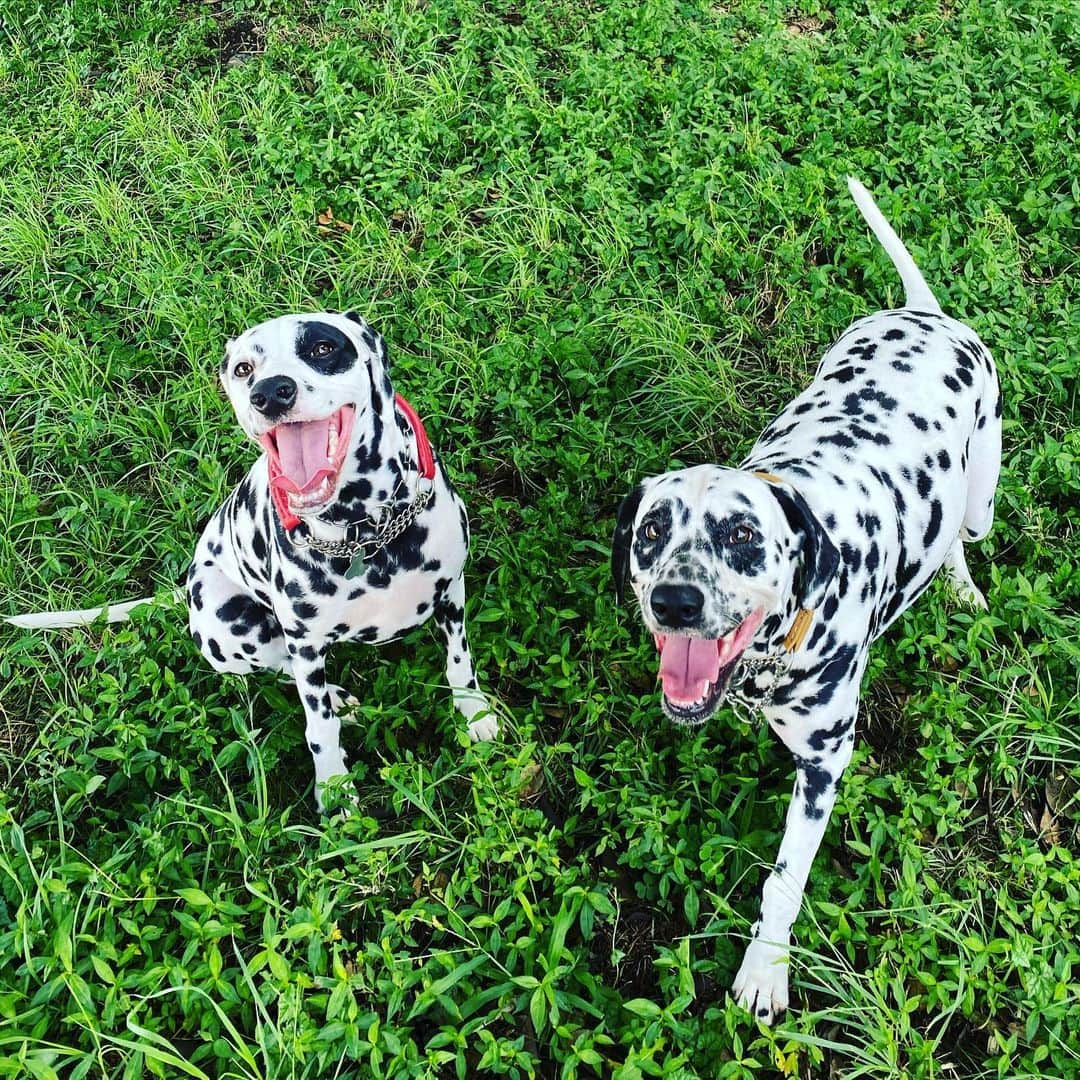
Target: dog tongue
302, 454
687, 666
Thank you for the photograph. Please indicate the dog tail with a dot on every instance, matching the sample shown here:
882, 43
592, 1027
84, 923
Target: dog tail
55, 620
917, 293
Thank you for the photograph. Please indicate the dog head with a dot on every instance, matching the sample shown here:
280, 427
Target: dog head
711, 552
309, 389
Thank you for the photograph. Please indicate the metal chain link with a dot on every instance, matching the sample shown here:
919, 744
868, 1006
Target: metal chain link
384, 534
780, 663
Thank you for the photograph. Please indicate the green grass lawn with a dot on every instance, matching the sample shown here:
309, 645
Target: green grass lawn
602, 240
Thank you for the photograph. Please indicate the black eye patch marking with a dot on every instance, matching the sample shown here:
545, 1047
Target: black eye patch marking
744, 556
652, 534
325, 348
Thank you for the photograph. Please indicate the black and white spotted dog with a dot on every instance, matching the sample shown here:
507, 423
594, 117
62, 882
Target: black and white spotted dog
346, 528
767, 583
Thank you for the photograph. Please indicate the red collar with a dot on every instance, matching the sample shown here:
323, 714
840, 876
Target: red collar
424, 455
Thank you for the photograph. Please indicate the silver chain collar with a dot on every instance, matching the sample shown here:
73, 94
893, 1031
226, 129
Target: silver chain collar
385, 532
779, 663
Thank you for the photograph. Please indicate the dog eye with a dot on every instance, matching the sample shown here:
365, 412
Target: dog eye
321, 349
741, 534
242, 370
651, 531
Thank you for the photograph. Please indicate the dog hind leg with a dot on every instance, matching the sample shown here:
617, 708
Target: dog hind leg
234, 631
984, 464
957, 568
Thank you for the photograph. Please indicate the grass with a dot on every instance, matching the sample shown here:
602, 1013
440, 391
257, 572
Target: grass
601, 240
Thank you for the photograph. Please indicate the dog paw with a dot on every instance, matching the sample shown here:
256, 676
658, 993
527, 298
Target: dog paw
971, 596
336, 797
340, 699
484, 727
762, 983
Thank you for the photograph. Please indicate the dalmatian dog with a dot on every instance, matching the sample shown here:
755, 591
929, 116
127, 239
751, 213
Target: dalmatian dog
766, 583
345, 528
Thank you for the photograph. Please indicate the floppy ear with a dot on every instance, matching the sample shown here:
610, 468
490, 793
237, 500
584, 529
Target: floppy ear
223, 367
620, 544
820, 557
372, 338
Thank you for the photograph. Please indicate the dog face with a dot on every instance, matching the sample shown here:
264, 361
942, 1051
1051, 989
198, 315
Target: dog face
710, 552
306, 388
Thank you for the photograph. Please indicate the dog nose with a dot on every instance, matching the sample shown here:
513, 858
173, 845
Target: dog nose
273, 397
677, 605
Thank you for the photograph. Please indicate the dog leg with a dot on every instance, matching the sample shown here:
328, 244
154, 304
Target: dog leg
957, 568
234, 631
469, 701
323, 728
340, 698
762, 982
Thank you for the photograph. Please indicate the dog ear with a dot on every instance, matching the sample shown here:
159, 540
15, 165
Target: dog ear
820, 557
624, 535
382, 349
223, 367
374, 340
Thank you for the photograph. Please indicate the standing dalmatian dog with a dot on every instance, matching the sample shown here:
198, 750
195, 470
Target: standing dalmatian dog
769, 581
346, 528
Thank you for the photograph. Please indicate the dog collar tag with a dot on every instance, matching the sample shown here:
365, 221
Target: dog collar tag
356, 567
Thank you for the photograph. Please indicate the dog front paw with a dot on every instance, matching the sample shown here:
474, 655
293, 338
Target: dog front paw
337, 797
341, 700
762, 983
484, 728
972, 596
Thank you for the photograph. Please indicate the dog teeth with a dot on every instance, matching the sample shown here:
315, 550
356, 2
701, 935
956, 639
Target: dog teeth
332, 441
313, 498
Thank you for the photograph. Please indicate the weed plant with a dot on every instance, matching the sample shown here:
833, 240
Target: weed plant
602, 240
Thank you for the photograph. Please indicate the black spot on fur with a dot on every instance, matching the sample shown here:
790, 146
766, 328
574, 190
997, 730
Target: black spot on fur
837, 438
934, 527
842, 374
325, 348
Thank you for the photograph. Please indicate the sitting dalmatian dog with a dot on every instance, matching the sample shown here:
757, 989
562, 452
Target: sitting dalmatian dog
768, 582
345, 528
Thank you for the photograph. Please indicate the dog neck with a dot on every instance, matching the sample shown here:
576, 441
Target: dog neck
381, 475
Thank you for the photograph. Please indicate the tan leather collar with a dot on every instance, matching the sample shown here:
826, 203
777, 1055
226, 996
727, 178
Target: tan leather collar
796, 635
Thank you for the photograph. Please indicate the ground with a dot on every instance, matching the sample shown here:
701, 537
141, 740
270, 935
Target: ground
602, 240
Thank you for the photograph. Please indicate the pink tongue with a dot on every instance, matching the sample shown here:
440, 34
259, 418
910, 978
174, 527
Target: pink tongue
302, 454
687, 666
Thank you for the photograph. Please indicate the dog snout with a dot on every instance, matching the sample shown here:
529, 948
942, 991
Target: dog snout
677, 606
273, 397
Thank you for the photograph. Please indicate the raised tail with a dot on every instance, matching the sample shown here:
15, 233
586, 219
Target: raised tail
54, 620
917, 293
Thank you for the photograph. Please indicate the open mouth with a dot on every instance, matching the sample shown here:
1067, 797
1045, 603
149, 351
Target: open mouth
306, 457
695, 672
